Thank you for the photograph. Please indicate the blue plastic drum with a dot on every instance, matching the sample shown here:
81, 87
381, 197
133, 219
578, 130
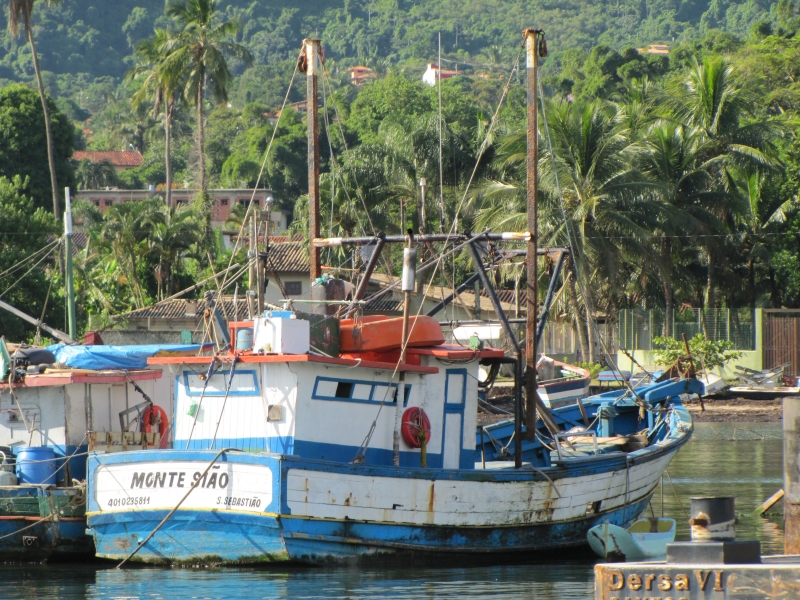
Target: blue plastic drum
244, 339
36, 464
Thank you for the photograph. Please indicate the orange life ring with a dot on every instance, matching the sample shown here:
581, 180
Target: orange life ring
414, 421
155, 415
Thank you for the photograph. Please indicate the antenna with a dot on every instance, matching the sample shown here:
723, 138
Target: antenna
441, 170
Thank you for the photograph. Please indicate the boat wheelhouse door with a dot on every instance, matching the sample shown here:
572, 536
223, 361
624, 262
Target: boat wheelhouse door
453, 435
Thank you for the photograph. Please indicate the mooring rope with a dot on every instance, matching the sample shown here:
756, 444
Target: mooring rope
177, 506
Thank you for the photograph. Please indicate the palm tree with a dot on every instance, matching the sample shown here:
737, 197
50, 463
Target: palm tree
124, 229
172, 232
411, 152
197, 55
95, 175
22, 11
164, 86
763, 211
673, 163
608, 213
711, 102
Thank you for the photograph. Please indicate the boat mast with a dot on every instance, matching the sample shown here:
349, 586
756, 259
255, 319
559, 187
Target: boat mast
69, 280
312, 55
533, 47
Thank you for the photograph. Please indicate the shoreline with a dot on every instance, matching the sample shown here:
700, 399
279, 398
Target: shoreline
735, 410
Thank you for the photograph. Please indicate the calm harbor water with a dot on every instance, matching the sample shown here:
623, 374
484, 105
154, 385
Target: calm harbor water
713, 463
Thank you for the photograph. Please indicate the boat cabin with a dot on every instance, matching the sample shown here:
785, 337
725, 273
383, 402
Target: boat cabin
340, 408
57, 409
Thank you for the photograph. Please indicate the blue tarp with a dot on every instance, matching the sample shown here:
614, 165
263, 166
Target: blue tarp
113, 357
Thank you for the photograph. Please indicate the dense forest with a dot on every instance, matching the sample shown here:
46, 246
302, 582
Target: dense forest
673, 176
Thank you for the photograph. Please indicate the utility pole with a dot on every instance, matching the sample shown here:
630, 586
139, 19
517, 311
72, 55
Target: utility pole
312, 56
259, 264
533, 45
423, 183
407, 287
69, 278
252, 254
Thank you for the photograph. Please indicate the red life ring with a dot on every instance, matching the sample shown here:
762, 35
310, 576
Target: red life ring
155, 415
414, 421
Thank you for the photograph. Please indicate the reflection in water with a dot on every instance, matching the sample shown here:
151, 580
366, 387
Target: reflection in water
750, 469
711, 464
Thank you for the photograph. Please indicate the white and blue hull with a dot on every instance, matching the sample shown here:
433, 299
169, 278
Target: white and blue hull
277, 508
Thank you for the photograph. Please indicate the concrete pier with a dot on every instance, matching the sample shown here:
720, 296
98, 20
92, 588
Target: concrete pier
714, 566
791, 474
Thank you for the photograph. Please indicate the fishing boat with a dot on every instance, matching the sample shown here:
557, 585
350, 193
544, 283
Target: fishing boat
646, 539
327, 436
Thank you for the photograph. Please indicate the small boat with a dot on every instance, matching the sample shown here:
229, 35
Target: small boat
560, 383
712, 383
382, 334
646, 539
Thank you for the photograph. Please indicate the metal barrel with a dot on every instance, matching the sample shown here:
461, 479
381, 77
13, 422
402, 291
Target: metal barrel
713, 518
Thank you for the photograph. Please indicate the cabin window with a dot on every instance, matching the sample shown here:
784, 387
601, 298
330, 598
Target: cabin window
344, 389
294, 288
593, 508
353, 390
245, 383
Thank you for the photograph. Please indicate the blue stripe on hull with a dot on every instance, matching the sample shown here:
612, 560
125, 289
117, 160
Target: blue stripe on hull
217, 537
190, 537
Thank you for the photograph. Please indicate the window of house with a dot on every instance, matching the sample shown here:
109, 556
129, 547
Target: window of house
108, 202
294, 288
96, 202
181, 201
223, 202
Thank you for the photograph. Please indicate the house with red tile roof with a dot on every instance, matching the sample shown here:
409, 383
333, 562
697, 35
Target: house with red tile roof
434, 73
361, 75
121, 161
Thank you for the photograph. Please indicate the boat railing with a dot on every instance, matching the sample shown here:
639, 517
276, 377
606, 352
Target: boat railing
122, 441
569, 434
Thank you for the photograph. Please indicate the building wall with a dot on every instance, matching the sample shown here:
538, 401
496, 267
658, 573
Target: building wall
224, 200
750, 359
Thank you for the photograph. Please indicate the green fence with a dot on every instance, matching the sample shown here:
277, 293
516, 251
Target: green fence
638, 327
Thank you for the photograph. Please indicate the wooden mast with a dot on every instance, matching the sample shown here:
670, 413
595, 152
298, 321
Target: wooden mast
532, 49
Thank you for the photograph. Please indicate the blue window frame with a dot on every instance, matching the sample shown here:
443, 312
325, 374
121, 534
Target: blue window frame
245, 383
356, 390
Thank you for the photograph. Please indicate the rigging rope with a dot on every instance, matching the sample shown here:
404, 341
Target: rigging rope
580, 280
40, 261
32, 257
258, 180
437, 262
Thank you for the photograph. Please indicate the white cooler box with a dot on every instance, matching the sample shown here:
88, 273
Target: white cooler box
281, 336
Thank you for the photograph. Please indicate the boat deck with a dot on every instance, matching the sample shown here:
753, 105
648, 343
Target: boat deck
58, 377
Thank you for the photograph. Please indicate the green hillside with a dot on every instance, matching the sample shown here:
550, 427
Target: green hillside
96, 38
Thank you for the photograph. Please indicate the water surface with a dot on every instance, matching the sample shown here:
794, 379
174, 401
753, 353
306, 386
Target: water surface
712, 463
